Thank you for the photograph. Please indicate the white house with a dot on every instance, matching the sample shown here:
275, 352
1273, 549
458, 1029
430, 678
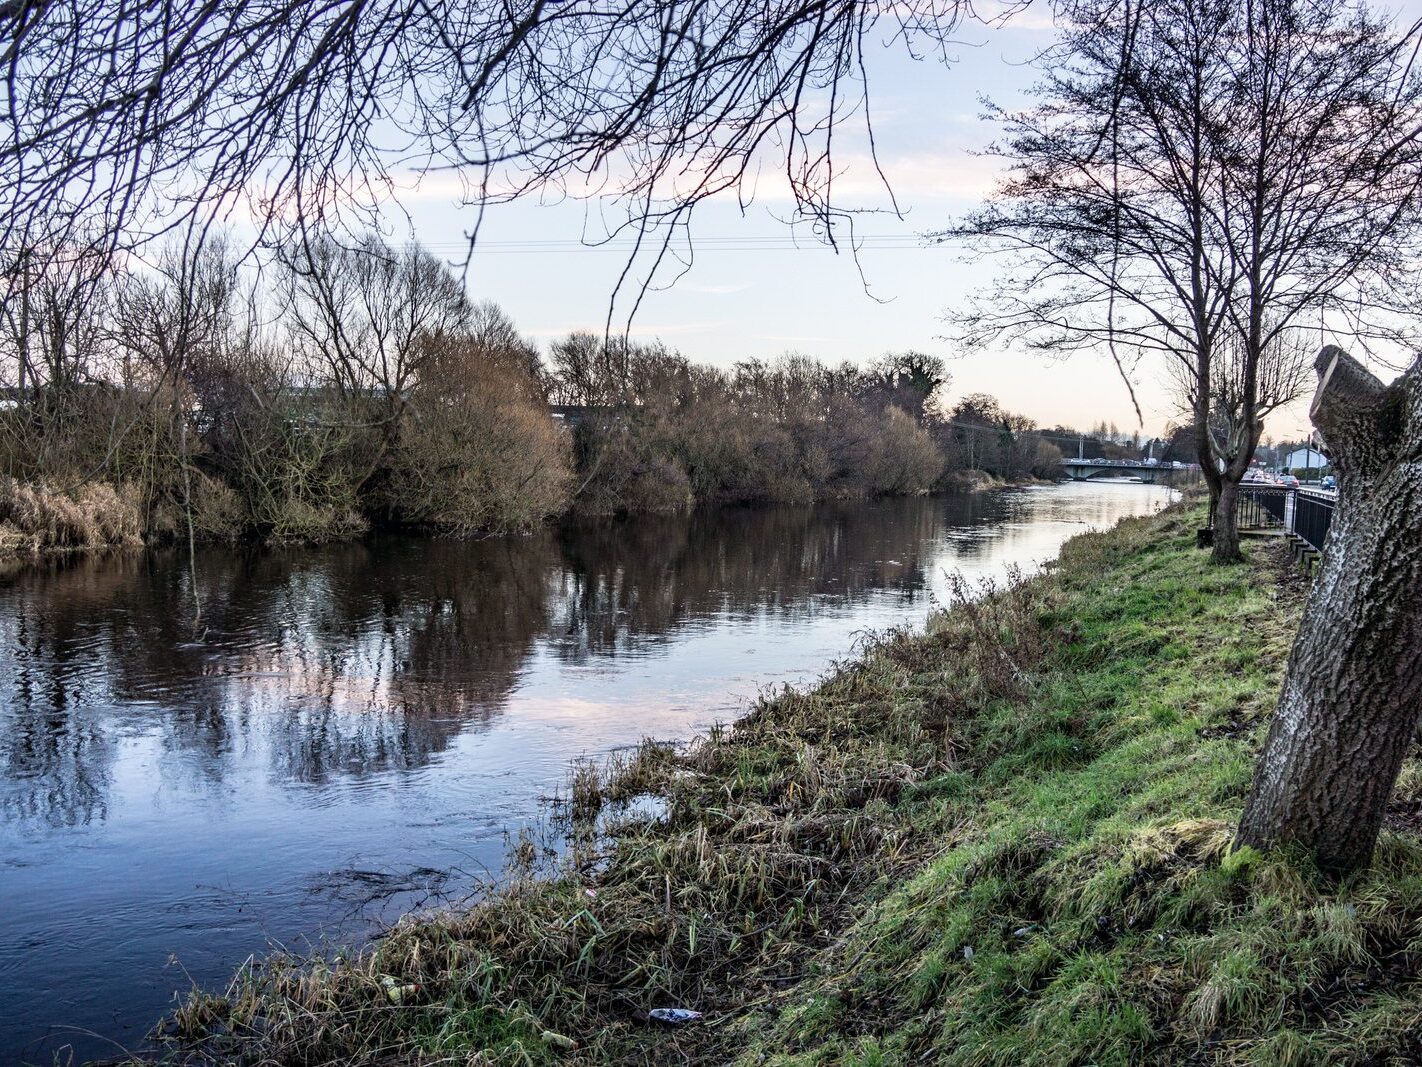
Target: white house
1305, 457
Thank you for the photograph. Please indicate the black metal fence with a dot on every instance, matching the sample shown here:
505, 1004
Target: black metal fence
1302, 513
1263, 506
1313, 515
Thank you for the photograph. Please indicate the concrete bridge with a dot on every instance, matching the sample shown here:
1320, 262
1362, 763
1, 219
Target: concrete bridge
1079, 470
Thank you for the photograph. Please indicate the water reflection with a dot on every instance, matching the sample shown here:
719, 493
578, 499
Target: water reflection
625, 584
362, 659
178, 780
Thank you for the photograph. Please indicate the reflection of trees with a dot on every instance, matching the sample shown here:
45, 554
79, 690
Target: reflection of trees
56, 743
626, 581
357, 659
343, 660
360, 658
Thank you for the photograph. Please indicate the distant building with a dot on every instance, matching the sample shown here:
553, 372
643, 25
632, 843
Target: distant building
1305, 457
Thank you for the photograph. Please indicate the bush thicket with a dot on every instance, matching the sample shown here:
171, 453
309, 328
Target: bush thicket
357, 384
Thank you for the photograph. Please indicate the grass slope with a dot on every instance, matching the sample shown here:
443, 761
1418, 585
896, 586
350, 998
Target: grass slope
1005, 840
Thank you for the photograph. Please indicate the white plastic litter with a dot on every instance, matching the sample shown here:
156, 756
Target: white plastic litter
675, 1016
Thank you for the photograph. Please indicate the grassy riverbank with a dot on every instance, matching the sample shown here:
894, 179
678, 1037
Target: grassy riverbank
1002, 841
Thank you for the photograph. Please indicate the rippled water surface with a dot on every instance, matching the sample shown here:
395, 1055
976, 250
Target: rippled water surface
344, 732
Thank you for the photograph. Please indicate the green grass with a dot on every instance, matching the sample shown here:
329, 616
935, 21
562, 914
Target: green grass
1006, 840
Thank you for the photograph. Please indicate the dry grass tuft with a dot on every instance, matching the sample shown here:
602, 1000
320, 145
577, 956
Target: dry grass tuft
39, 516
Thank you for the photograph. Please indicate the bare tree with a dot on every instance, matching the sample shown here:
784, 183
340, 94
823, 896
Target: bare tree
362, 310
172, 319
592, 371
54, 313
364, 315
54, 309
173, 323
1205, 173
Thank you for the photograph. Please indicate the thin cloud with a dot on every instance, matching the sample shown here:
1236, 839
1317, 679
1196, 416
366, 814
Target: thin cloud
1004, 15
645, 331
949, 174
716, 290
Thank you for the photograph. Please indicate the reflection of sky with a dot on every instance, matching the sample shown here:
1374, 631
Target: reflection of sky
712, 668
385, 710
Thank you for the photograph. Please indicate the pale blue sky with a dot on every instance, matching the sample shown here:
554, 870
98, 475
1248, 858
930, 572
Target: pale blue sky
742, 299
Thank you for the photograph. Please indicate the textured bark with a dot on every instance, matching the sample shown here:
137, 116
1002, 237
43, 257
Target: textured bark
1205, 454
1226, 524
1350, 701
1224, 490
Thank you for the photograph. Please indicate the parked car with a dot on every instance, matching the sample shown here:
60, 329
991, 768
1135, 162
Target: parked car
1329, 482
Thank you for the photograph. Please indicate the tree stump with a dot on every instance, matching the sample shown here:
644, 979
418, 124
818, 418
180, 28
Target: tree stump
1350, 701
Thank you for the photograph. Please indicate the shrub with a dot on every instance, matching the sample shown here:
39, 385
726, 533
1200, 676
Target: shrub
623, 474
478, 449
903, 458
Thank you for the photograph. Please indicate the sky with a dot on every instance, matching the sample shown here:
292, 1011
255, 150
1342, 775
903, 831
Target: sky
750, 293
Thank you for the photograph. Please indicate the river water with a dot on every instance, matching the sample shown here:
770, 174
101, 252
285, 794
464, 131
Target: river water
341, 733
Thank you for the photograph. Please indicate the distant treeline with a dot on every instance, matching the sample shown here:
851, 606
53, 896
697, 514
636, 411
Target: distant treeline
653, 430
344, 386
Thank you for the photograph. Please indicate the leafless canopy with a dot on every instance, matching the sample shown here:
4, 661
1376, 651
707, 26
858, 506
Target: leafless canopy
1201, 167
1280, 376
128, 119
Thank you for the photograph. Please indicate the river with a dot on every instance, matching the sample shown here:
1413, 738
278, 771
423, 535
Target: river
200, 759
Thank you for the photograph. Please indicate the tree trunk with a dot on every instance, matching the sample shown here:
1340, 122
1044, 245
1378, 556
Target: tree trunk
1225, 522
1350, 701
1205, 455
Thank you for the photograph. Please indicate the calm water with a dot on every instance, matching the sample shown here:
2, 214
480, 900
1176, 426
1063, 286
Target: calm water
348, 731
